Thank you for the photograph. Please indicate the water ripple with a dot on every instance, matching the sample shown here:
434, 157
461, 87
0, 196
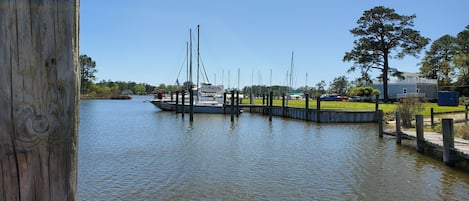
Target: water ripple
129, 151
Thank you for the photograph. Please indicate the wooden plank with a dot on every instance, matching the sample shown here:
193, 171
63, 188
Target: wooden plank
38, 99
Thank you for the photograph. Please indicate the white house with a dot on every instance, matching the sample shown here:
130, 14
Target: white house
413, 85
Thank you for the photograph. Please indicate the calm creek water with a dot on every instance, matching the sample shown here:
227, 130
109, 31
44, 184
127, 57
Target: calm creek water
129, 150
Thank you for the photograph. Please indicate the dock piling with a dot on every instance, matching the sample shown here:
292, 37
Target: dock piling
271, 95
191, 105
182, 103
420, 138
307, 107
380, 123
398, 128
284, 112
232, 105
448, 141
177, 102
237, 103
318, 109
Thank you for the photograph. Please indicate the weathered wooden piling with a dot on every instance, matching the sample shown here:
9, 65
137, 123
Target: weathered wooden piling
307, 107
271, 101
177, 102
232, 105
318, 109
448, 141
171, 95
380, 115
39, 99
191, 105
237, 103
420, 137
398, 128
284, 109
182, 103
224, 103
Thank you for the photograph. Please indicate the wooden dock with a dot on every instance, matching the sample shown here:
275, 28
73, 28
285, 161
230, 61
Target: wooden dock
461, 146
452, 150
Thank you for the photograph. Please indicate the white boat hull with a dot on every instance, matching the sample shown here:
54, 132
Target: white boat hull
209, 108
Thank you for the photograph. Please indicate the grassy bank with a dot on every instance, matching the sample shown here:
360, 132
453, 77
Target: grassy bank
357, 106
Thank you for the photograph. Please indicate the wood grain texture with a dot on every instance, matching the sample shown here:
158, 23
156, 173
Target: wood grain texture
39, 86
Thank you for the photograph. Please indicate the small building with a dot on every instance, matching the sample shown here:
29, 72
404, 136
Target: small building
413, 85
127, 92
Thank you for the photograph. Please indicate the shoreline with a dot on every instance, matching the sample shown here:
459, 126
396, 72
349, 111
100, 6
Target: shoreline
105, 97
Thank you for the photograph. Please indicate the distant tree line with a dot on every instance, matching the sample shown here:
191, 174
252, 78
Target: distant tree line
88, 86
381, 34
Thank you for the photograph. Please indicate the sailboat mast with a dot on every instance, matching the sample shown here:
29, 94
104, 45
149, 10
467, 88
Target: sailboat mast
291, 71
190, 57
198, 60
187, 60
291, 80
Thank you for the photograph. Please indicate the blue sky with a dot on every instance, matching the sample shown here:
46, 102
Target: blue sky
145, 40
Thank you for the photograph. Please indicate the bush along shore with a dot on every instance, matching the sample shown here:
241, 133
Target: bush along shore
104, 96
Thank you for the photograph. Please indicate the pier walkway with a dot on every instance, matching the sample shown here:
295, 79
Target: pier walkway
461, 146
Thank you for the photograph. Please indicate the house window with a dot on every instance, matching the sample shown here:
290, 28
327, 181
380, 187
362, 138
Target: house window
404, 90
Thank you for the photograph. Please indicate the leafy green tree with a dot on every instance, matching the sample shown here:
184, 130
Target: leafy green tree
115, 89
437, 61
321, 87
87, 71
367, 91
381, 31
139, 89
339, 85
461, 59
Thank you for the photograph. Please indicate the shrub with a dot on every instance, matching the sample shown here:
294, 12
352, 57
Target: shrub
408, 108
462, 131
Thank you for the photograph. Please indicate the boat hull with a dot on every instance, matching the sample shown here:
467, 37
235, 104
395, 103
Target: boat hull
208, 108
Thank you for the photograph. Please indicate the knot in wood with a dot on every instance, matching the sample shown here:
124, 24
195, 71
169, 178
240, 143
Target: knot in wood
40, 124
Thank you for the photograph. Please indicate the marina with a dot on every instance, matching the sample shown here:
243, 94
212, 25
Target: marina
130, 150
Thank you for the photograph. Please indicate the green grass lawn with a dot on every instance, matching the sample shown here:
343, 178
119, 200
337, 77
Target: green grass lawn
357, 106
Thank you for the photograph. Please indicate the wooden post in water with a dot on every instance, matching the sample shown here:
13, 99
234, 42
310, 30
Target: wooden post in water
182, 102
237, 103
191, 105
318, 109
284, 112
271, 100
232, 106
177, 102
431, 118
398, 128
263, 98
448, 142
224, 103
420, 138
380, 123
171, 94
39, 99
307, 107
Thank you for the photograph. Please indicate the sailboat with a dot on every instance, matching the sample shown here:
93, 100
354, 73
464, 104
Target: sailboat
209, 98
